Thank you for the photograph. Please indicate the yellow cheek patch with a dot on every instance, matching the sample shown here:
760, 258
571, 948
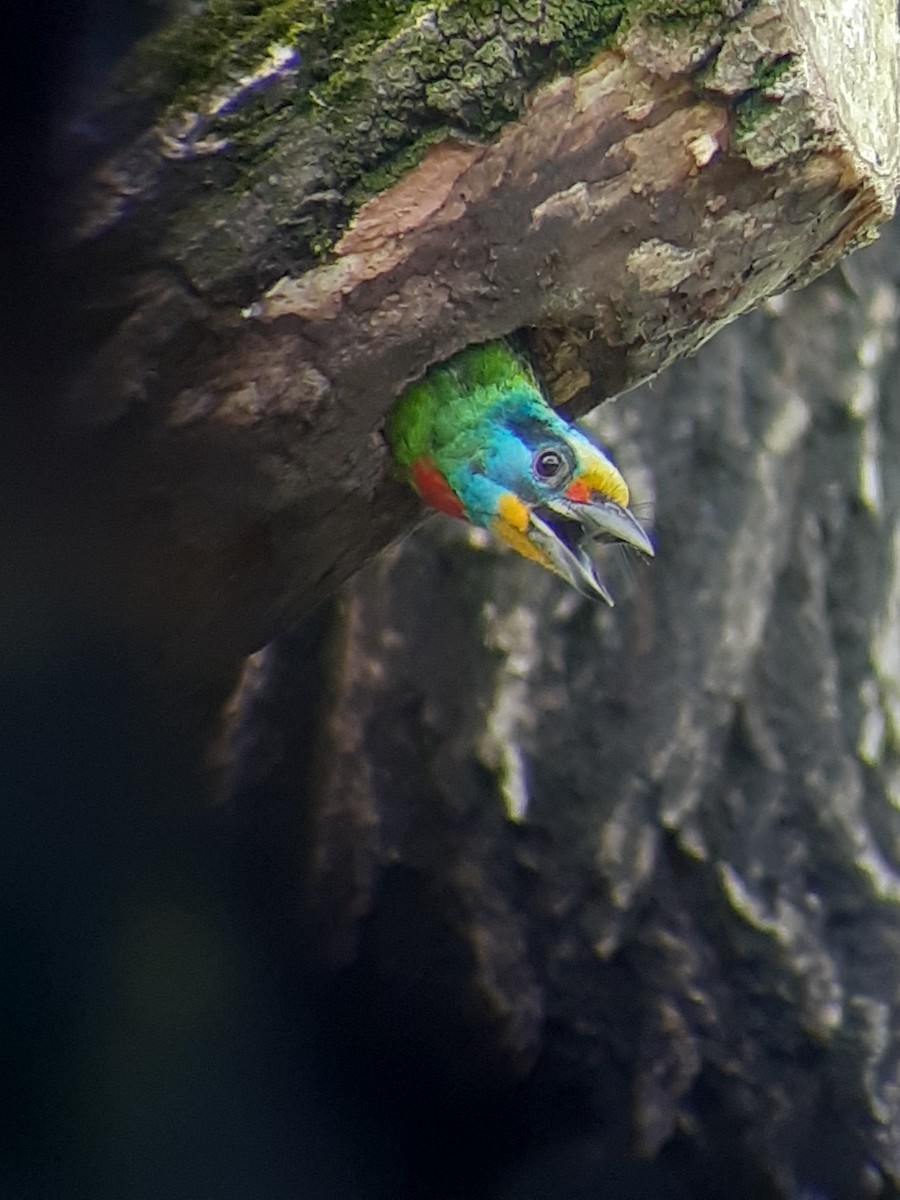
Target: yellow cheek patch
601, 476
512, 511
519, 542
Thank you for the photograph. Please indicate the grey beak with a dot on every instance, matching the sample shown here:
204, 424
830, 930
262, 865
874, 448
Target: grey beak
572, 564
596, 519
607, 519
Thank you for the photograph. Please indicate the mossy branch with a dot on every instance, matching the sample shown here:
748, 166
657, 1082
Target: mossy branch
330, 196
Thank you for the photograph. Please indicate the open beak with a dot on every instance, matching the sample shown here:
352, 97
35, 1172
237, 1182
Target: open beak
560, 530
609, 521
567, 558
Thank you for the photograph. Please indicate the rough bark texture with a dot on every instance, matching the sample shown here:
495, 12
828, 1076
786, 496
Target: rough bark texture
622, 179
635, 871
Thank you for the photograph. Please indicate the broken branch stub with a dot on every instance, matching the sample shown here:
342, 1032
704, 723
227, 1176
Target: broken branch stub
692, 168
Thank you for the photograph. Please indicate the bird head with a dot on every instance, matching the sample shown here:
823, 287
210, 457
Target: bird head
478, 440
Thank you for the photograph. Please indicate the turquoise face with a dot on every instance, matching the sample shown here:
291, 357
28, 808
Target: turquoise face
504, 465
531, 453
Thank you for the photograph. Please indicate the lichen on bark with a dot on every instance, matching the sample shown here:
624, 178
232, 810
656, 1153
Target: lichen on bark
304, 109
363, 90
617, 201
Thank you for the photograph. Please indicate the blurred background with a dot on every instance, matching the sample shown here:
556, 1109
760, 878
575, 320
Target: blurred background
476, 889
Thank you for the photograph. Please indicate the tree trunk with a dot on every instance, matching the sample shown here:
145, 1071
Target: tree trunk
293, 209
613, 893
624, 884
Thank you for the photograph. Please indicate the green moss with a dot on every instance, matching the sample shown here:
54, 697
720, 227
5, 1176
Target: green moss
676, 11
768, 131
469, 61
451, 69
375, 83
770, 123
767, 75
229, 37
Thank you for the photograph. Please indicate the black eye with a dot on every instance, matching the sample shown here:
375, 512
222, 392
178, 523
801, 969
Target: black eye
551, 465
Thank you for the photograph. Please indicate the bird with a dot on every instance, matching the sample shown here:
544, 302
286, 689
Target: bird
477, 439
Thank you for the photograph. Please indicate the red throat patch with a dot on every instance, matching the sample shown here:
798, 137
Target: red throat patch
434, 488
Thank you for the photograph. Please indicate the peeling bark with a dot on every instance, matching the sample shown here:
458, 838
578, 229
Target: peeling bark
693, 164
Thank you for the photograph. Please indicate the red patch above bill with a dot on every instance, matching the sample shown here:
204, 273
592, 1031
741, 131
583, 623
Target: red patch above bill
579, 491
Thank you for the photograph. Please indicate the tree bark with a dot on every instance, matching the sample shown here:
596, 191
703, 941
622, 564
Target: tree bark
293, 211
631, 877
626, 882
